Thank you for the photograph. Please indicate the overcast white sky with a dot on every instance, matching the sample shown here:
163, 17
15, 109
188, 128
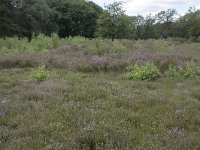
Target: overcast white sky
144, 7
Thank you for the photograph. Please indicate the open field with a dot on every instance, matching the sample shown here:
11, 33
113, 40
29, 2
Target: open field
87, 103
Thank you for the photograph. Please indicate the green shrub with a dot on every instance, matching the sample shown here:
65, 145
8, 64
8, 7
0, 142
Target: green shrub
117, 47
188, 71
39, 74
40, 42
143, 72
44, 43
77, 40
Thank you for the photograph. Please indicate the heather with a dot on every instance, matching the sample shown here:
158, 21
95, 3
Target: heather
97, 94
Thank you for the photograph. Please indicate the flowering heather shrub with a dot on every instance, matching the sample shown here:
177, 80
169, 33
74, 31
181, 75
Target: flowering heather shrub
143, 72
161, 59
77, 57
74, 58
188, 71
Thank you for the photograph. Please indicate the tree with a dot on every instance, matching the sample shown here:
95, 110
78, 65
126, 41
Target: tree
165, 20
149, 30
8, 19
138, 26
36, 17
76, 17
189, 24
113, 23
66, 17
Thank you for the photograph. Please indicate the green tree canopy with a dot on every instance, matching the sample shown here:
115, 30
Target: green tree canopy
113, 23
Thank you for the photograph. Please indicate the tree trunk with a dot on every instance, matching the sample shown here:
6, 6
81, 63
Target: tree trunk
112, 37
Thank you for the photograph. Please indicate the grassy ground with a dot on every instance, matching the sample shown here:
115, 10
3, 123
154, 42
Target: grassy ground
90, 105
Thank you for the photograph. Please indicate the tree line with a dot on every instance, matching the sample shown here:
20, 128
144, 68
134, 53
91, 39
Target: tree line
25, 18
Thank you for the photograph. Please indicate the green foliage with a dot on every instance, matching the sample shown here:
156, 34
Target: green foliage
113, 23
143, 72
189, 25
77, 40
44, 43
65, 17
117, 47
188, 71
38, 43
40, 74
8, 19
76, 17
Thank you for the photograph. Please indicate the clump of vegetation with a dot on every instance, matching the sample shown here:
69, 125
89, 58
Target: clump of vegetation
148, 71
117, 47
77, 40
40, 74
44, 43
40, 42
188, 71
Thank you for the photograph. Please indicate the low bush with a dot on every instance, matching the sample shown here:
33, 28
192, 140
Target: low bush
44, 43
40, 74
187, 71
143, 72
77, 40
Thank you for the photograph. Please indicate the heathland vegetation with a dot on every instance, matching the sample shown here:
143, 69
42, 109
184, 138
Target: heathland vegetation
99, 94
99, 80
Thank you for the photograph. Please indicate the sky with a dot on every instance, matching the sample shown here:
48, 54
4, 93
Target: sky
145, 7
